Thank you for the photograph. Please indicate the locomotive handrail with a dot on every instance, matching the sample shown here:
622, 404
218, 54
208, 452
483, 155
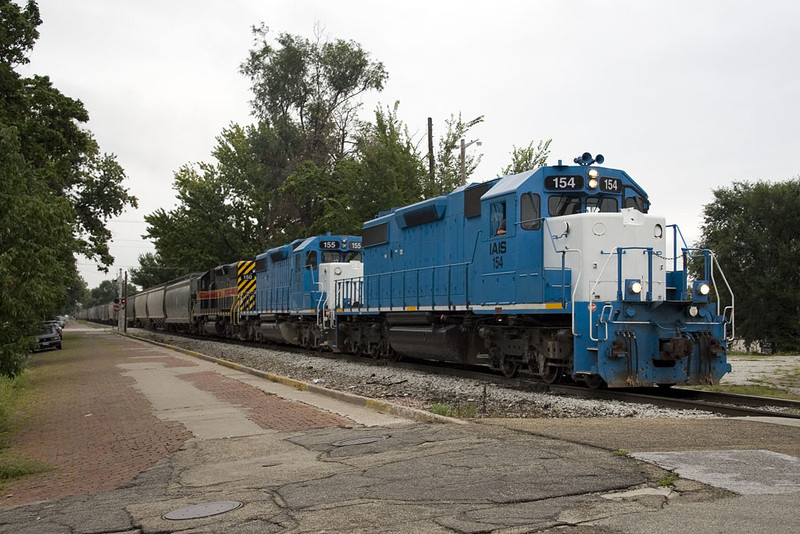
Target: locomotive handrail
732, 307
710, 261
676, 231
563, 268
417, 295
591, 293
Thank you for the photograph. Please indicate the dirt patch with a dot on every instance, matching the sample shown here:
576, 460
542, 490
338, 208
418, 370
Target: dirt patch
780, 371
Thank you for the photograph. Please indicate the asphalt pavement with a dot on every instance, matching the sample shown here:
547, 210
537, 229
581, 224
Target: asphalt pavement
146, 439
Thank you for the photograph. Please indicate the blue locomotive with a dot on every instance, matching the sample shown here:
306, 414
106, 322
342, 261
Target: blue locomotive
557, 272
560, 273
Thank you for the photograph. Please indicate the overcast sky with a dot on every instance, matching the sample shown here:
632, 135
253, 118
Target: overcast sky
686, 96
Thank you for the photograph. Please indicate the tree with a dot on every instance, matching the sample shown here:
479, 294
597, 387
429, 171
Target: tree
752, 228
153, 270
308, 90
527, 158
210, 226
448, 158
385, 171
106, 292
57, 191
36, 245
307, 167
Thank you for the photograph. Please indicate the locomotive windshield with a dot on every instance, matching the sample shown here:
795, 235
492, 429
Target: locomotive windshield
570, 205
602, 204
351, 256
329, 256
563, 205
636, 202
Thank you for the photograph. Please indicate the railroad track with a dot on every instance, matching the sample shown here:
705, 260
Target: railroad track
673, 398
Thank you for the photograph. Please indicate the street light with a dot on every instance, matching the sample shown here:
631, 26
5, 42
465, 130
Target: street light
464, 158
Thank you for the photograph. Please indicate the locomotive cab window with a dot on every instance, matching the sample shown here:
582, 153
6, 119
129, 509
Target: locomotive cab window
311, 259
530, 212
563, 205
498, 218
602, 204
636, 202
329, 256
351, 256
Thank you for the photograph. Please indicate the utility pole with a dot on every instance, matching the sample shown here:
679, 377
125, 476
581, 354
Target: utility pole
124, 305
431, 163
464, 158
120, 313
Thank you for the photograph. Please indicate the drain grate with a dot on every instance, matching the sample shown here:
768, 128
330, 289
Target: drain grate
207, 509
358, 441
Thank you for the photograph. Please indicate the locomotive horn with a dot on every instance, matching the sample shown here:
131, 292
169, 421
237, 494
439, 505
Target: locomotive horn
585, 159
599, 159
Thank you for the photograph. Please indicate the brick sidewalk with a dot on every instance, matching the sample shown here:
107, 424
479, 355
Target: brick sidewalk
98, 432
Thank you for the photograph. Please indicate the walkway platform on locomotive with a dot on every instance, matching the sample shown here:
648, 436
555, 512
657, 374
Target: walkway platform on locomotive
135, 432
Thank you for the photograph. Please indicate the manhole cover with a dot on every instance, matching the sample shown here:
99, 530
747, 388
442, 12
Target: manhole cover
207, 509
358, 441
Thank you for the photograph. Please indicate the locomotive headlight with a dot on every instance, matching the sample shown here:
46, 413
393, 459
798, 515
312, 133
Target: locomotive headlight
593, 183
636, 288
704, 289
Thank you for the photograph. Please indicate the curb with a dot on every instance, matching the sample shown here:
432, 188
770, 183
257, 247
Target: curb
376, 405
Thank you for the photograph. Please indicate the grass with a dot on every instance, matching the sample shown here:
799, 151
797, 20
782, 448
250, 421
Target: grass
621, 452
13, 394
461, 411
668, 480
758, 390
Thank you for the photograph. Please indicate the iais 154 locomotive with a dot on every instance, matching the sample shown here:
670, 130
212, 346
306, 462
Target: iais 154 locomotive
558, 272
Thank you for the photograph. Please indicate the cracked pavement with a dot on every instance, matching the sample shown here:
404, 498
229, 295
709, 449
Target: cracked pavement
289, 457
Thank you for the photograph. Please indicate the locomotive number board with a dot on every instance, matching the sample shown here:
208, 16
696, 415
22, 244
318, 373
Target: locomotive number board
611, 185
563, 183
329, 245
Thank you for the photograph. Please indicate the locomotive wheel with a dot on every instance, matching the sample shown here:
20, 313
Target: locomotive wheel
509, 367
383, 351
596, 382
358, 347
552, 374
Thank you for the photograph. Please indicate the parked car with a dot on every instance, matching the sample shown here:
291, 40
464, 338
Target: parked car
48, 338
59, 326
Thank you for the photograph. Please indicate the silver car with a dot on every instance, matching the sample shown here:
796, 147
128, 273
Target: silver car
48, 338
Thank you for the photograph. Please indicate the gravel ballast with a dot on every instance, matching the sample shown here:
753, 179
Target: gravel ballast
446, 395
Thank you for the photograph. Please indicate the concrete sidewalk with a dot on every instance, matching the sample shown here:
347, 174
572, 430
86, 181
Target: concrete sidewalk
138, 432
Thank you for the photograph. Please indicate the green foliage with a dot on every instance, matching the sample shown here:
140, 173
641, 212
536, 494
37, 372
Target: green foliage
757, 390
448, 158
385, 171
527, 158
752, 228
311, 87
668, 480
211, 225
56, 192
36, 244
11, 400
106, 292
153, 270
461, 411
